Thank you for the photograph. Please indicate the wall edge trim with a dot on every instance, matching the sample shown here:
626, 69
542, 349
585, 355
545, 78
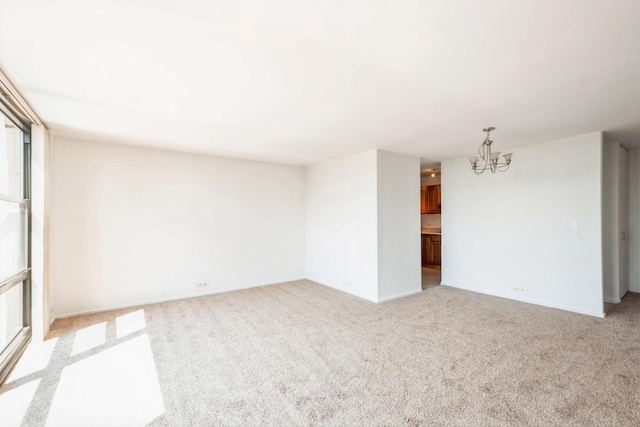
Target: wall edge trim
398, 296
342, 290
530, 301
169, 299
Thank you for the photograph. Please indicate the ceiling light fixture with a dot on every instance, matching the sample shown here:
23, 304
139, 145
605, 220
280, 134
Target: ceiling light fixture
490, 159
433, 172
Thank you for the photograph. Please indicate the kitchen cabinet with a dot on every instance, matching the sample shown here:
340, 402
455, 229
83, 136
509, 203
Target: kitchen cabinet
433, 199
425, 252
431, 249
435, 250
423, 200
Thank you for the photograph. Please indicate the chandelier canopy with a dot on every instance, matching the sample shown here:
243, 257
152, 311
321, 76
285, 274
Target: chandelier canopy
488, 160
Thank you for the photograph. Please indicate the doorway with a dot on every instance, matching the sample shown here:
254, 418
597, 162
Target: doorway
431, 228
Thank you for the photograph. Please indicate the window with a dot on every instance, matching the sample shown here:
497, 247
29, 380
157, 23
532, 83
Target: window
15, 290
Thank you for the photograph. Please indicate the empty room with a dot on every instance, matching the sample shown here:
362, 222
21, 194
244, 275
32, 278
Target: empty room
278, 212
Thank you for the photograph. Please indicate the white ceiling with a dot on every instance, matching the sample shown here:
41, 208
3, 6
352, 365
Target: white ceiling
301, 81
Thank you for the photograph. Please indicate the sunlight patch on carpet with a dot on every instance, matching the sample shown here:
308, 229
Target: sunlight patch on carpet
130, 323
117, 387
88, 338
35, 358
14, 403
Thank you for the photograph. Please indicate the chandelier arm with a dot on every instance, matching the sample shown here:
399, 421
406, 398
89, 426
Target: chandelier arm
484, 168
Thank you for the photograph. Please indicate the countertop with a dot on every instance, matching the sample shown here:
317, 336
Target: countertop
436, 231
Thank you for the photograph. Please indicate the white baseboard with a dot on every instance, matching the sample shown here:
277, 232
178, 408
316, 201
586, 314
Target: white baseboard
356, 294
350, 292
172, 298
406, 294
612, 300
531, 301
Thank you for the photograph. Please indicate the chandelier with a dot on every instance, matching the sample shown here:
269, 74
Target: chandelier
488, 159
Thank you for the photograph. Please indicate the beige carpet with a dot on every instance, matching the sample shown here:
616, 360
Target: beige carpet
303, 354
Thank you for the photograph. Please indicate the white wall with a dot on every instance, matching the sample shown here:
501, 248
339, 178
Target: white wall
363, 225
430, 220
341, 238
429, 180
513, 229
132, 225
399, 261
633, 237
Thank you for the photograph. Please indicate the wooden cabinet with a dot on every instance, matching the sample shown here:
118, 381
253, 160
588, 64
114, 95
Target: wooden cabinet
425, 247
423, 200
430, 199
431, 249
435, 250
433, 199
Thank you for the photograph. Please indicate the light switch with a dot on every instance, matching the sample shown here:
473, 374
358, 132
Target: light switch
574, 224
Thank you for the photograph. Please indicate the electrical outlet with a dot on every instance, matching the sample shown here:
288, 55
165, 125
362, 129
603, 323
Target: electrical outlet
202, 285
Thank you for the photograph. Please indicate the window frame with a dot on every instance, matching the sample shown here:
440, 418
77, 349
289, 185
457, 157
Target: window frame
14, 349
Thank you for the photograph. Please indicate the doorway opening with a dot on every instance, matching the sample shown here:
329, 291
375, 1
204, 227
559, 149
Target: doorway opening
430, 225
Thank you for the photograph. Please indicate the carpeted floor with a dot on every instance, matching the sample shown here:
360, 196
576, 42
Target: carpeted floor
303, 354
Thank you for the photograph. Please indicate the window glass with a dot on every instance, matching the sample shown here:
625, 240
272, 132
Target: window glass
11, 150
13, 239
10, 314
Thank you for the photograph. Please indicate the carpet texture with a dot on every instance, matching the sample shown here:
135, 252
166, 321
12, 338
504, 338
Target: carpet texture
303, 354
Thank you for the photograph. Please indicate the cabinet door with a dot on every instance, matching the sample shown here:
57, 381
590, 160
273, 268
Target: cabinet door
425, 249
433, 199
435, 250
423, 200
